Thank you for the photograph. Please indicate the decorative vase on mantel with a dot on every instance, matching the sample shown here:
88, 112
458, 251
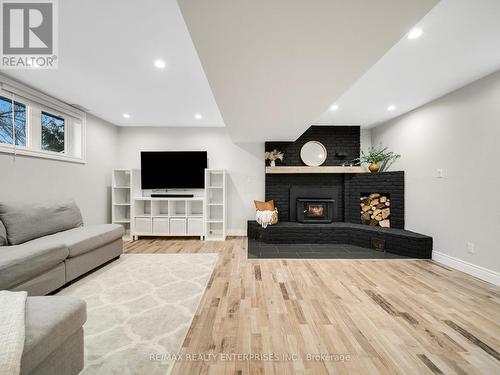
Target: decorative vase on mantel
374, 167
272, 156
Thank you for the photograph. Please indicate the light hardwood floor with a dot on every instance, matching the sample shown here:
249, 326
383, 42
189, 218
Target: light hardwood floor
388, 316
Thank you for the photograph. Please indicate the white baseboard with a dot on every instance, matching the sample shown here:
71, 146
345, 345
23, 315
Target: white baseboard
472, 269
237, 232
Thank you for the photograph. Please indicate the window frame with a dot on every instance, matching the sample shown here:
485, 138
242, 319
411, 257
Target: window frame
26, 121
66, 122
36, 103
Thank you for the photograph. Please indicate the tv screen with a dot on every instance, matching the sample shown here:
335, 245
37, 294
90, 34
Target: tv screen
173, 169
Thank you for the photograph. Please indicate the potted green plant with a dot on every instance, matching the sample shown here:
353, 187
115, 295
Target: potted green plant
379, 158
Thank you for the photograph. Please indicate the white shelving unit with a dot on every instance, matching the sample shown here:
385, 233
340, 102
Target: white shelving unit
215, 204
121, 192
203, 215
168, 217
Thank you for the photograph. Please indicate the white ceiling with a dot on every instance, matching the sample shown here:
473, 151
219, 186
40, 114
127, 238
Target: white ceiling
107, 49
460, 44
266, 60
274, 66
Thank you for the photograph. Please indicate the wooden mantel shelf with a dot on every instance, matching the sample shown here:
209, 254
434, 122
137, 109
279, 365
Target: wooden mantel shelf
285, 170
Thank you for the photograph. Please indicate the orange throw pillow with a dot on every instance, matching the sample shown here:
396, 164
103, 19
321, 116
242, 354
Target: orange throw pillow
264, 206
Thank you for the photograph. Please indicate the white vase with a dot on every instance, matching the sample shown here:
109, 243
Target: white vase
273, 163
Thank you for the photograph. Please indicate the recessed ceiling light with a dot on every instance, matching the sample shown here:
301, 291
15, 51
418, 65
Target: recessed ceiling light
391, 108
334, 107
160, 64
126, 115
198, 116
414, 33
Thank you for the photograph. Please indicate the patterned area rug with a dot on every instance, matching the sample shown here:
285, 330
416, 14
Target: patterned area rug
139, 309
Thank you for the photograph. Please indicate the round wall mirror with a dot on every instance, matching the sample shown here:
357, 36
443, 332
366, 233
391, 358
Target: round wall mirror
313, 153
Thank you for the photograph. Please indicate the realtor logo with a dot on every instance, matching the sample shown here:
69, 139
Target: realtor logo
29, 34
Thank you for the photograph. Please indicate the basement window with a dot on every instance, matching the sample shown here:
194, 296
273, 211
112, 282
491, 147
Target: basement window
37, 125
12, 122
52, 133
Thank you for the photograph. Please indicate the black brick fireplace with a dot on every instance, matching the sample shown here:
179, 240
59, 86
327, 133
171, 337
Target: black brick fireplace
345, 189
325, 208
345, 227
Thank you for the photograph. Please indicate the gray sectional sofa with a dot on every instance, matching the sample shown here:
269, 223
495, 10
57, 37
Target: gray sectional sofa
54, 336
43, 247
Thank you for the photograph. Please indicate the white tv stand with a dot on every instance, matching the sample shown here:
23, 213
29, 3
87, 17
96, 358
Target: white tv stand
203, 215
168, 217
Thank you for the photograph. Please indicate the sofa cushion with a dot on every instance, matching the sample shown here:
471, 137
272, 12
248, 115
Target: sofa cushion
19, 263
83, 239
50, 321
26, 221
3, 235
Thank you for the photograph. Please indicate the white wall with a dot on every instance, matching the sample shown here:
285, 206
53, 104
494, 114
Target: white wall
458, 133
35, 179
365, 139
243, 162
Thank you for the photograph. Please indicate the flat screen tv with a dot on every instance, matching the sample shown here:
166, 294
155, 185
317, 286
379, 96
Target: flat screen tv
173, 169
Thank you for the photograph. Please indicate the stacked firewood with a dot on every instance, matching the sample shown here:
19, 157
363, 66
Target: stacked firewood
376, 210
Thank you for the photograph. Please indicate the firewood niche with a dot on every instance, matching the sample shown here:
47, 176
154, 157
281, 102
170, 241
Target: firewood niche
376, 209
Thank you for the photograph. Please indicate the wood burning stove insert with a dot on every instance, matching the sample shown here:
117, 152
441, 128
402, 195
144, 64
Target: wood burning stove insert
314, 204
315, 210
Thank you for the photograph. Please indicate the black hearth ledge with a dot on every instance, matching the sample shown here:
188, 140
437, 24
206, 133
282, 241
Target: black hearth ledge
397, 241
